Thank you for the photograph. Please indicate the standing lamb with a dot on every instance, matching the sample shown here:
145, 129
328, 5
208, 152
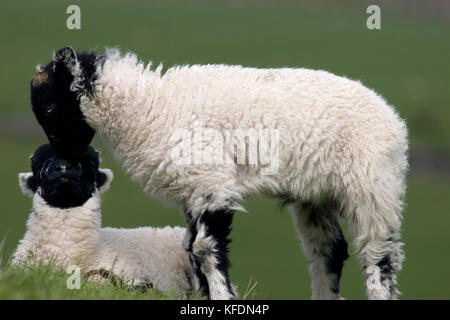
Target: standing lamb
64, 227
340, 152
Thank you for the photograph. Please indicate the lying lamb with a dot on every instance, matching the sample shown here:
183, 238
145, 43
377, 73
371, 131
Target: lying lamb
341, 153
65, 227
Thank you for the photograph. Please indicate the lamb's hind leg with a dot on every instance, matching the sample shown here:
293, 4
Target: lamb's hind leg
207, 243
324, 244
378, 246
373, 207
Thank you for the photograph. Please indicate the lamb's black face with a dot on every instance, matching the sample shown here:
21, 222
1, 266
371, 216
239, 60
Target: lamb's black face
57, 107
64, 183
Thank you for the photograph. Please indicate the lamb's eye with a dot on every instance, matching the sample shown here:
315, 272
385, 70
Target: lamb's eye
49, 108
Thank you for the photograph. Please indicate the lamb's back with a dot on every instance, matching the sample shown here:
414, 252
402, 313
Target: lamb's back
145, 254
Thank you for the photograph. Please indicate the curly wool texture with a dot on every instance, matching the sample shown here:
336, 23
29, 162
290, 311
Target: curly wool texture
336, 137
339, 143
74, 236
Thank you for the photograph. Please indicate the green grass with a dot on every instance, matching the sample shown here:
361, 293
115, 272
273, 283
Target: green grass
49, 282
406, 61
265, 247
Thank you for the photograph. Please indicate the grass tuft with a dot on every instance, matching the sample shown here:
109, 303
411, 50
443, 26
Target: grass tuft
49, 282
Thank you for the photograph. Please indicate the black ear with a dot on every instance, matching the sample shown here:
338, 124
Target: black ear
67, 57
27, 184
103, 179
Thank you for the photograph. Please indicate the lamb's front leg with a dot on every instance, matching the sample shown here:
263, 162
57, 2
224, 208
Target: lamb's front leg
207, 242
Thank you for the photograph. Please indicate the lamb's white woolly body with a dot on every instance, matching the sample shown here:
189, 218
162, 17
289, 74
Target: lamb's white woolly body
74, 236
338, 140
332, 130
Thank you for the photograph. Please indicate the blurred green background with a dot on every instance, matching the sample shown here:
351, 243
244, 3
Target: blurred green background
407, 62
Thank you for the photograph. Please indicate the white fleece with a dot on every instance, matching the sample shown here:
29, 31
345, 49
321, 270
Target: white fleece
337, 139
75, 236
335, 135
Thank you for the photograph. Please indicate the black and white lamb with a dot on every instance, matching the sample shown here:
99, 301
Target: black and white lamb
64, 227
204, 137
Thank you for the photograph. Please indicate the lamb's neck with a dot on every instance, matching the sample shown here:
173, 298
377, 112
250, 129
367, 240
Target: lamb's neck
68, 234
125, 91
123, 108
